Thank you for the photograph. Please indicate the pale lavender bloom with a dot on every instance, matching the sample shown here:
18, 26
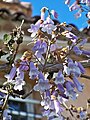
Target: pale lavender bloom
60, 88
82, 69
86, 52
58, 108
59, 78
46, 103
71, 36
43, 48
18, 84
83, 115
88, 2
83, 42
88, 15
47, 93
23, 66
83, 1
34, 28
78, 14
55, 93
12, 74
54, 13
42, 16
70, 90
77, 50
78, 85
40, 47
36, 46
43, 84
46, 112
6, 116
48, 26
74, 6
33, 73
73, 69
39, 56
67, 2
53, 47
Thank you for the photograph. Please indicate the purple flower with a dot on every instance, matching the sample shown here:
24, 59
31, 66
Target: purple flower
53, 47
36, 45
54, 13
48, 26
6, 116
74, 6
73, 69
40, 47
33, 73
67, 2
82, 69
83, 42
59, 78
78, 14
86, 52
20, 74
78, 85
71, 36
12, 74
34, 28
47, 94
46, 103
70, 90
43, 84
83, 115
83, 1
88, 3
42, 15
60, 88
88, 15
58, 108
23, 66
77, 50
18, 84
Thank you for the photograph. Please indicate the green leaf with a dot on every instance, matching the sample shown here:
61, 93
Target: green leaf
6, 38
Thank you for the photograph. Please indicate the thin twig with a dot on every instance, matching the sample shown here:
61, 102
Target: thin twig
85, 76
26, 95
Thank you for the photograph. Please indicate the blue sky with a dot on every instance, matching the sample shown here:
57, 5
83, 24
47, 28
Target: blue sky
64, 15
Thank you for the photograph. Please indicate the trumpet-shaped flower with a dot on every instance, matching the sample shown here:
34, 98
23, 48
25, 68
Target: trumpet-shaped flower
78, 85
70, 90
33, 73
40, 47
43, 84
77, 50
34, 28
74, 6
6, 116
59, 78
18, 83
58, 108
48, 26
83, 115
54, 13
71, 36
12, 74
72, 69
60, 88
67, 2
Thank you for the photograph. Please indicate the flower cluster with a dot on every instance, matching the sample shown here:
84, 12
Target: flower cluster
80, 6
50, 65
